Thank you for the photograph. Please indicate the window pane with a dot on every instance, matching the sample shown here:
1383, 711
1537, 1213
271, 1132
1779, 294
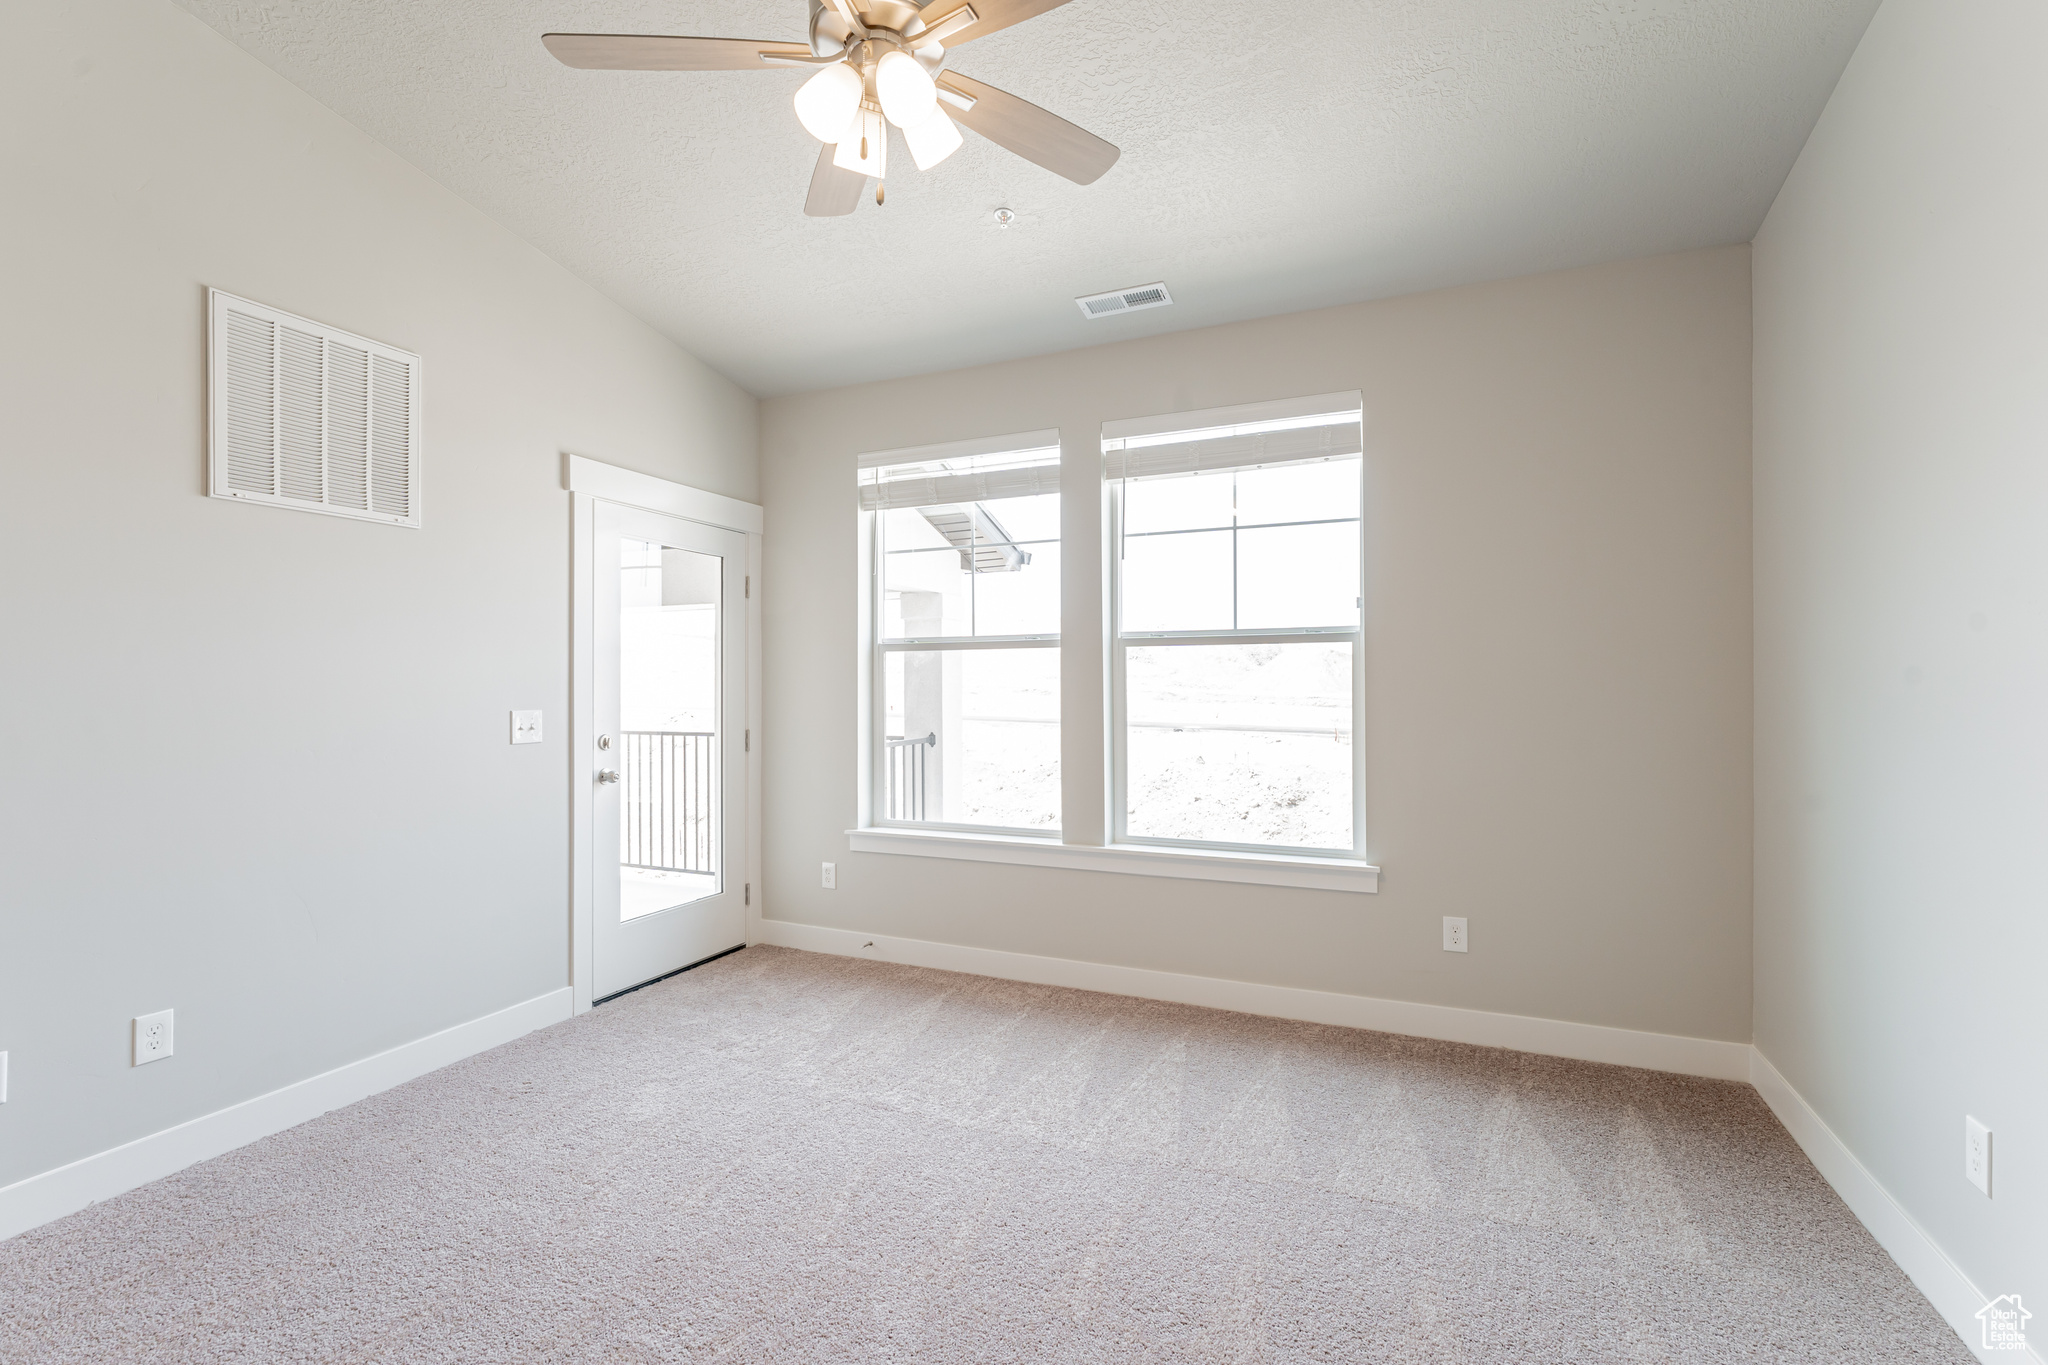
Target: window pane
1300, 492
1035, 518
668, 638
1177, 504
965, 569
972, 737
1279, 577
1239, 744
1022, 600
1017, 565
925, 587
1298, 576
668, 743
908, 529
1179, 582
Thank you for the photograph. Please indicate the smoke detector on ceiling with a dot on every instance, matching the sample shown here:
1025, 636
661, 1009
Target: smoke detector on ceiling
1124, 300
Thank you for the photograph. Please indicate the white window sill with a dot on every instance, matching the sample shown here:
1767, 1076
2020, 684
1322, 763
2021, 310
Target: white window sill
1143, 860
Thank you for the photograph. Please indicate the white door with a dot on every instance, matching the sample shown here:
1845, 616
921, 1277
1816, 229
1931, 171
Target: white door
668, 704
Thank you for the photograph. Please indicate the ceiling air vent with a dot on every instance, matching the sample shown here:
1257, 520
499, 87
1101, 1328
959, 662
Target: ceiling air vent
1124, 300
304, 415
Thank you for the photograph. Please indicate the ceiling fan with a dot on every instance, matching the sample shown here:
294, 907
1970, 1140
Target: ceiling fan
877, 62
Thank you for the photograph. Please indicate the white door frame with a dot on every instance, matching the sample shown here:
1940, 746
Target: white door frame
590, 482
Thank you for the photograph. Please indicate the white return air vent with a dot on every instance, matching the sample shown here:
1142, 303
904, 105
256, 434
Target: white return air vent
1124, 300
303, 415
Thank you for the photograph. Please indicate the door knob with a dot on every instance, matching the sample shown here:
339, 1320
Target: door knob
607, 774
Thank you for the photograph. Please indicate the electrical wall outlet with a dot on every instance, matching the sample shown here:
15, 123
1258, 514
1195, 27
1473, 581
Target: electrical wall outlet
831, 876
3, 1078
1977, 1154
526, 727
1454, 933
152, 1037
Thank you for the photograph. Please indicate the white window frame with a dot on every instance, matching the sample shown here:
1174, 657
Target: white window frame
1118, 641
1347, 872
874, 537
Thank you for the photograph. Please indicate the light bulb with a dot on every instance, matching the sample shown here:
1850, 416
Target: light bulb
905, 89
827, 100
932, 139
864, 146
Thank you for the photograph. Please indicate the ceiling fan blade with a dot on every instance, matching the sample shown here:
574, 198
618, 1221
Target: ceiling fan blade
1031, 132
990, 15
834, 192
637, 52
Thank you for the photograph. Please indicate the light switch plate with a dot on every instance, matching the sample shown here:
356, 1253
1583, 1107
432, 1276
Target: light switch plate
152, 1037
1977, 1154
526, 727
1454, 934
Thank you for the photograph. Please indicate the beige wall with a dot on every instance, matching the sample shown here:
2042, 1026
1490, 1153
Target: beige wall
1558, 650
1902, 623
253, 762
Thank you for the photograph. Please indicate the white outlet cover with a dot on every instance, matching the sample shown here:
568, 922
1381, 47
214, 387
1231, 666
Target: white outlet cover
152, 1037
526, 727
1977, 1154
1454, 934
830, 879
3, 1078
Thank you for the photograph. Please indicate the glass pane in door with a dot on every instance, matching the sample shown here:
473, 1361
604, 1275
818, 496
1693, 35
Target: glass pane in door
670, 824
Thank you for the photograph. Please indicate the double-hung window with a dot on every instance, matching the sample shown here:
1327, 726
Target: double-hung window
1235, 640
966, 658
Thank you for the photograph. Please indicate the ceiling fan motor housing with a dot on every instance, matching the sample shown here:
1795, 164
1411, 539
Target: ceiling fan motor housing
892, 22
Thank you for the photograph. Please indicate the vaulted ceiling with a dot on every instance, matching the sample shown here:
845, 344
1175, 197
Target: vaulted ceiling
1275, 157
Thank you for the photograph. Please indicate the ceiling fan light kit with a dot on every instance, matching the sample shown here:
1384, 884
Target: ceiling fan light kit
906, 90
826, 102
876, 63
932, 139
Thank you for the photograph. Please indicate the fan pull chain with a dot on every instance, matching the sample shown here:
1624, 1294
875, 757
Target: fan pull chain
863, 146
878, 194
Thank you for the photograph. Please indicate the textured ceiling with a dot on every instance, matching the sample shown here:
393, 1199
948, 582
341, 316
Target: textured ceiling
1275, 157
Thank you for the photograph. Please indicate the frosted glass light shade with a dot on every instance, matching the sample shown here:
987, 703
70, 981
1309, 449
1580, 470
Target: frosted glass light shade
827, 100
932, 139
904, 88
868, 125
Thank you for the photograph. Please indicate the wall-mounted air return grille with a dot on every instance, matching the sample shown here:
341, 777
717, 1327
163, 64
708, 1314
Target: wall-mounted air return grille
303, 415
1124, 300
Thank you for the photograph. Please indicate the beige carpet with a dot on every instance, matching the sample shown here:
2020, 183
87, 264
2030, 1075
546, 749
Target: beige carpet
788, 1157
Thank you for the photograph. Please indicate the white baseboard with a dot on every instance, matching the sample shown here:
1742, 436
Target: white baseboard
40, 1198
1551, 1037
1951, 1292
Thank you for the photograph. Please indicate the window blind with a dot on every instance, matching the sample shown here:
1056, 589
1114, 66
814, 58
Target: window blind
889, 480
1331, 436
